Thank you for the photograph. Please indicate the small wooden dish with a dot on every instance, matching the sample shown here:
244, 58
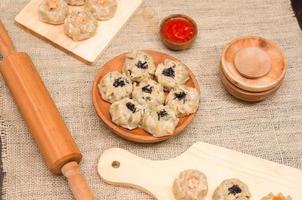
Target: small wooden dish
252, 68
138, 134
177, 46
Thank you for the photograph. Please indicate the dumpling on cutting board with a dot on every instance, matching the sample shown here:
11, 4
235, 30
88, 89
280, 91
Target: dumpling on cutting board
102, 9
280, 196
190, 185
76, 2
80, 25
171, 74
53, 11
160, 121
149, 93
139, 65
232, 189
183, 100
126, 113
115, 86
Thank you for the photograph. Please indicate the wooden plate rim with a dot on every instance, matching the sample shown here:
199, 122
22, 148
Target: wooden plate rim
125, 133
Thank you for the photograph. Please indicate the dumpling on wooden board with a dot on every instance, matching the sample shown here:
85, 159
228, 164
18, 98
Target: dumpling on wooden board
126, 113
53, 11
280, 196
183, 100
190, 185
76, 2
160, 121
139, 65
171, 74
102, 9
149, 93
80, 25
115, 86
232, 189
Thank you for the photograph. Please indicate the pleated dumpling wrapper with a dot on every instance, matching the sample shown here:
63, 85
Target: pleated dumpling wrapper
232, 189
149, 93
183, 100
53, 11
139, 65
171, 73
102, 9
76, 2
280, 196
160, 121
115, 86
190, 185
126, 113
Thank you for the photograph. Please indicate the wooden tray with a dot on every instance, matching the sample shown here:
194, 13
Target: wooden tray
136, 135
121, 168
87, 50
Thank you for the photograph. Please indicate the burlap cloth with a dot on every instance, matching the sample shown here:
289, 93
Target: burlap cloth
270, 129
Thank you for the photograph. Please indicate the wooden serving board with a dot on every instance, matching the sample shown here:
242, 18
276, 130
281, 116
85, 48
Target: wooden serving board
87, 50
119, 167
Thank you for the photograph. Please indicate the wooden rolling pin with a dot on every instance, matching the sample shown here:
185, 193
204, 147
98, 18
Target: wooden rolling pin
42, 117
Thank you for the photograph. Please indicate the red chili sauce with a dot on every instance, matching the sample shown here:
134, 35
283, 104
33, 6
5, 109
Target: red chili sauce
178, 29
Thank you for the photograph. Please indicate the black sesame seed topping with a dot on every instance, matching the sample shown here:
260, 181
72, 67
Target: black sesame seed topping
235, 189
131, 107
161, 114
120, 82
129, 72
169, 72
147, 89
142, 65
180, 96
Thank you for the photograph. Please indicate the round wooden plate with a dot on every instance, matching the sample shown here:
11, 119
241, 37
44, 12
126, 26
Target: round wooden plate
138, 134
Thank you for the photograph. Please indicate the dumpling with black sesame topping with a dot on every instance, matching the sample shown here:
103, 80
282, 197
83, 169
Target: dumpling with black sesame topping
139, 65
126, 113
232, 189
115, 86
149, 93
171, 73
160, 121
183, 100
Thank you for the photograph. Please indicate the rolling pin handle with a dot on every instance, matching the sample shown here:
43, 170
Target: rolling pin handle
77, 182
6, 44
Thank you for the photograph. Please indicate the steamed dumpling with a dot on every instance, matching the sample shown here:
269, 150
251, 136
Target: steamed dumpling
190, 185
126, 113
171, 74
102, 9
183, 100
53, 11
115, 86
80, 25
280, 196
76, 2
139, 66
232, 189
160, 121
149, 93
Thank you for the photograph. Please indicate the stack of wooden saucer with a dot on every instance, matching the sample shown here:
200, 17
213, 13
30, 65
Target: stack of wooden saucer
252, 68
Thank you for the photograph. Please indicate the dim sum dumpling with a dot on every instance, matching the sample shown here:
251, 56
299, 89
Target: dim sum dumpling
53, 11
160, 121
115, 86
102, 9
280, 196
126, 113
139, 66
149, 93
171, 73
232, 189
183, 100
80, 25
190, 185
76, 2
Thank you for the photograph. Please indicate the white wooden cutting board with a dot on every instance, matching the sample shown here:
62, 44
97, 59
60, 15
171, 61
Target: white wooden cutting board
156, 177
87, 50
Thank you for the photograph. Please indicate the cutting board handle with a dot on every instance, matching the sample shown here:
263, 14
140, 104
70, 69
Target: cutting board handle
77, 182
6, 44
